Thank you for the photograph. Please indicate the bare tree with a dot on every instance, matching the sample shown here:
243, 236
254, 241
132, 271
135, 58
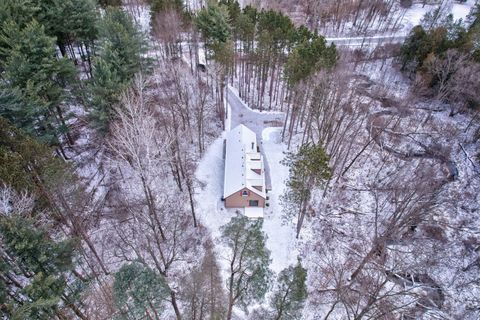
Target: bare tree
158, 229
202, 290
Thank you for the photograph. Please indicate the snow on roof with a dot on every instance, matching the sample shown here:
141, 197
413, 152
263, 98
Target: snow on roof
243, 163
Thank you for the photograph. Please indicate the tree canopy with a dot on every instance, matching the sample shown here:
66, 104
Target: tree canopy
138, 290
121, 55
35, 81
249, 259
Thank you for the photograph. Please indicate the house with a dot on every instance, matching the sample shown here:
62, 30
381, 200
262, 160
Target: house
244, 185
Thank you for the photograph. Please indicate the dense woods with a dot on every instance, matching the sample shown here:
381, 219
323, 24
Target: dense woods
444, 56
112, 121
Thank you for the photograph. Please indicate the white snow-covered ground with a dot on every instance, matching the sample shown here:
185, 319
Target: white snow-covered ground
209, 173
384, 30
461, 10
281, 237
414, 15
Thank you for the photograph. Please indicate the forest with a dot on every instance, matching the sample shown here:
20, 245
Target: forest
113, 120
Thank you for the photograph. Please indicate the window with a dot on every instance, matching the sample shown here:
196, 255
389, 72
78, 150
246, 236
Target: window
244, 193
253, 203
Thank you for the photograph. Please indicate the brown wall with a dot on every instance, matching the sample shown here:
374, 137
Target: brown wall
236, 200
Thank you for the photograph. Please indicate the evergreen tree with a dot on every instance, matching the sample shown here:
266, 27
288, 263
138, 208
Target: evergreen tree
139, 292
38, 271
105, 88
473, 33
118, 33
415, 49
213, 22
444, 34
245, 26
120, 57
310, 55
249, 275
37, 80
110, 3
67, 20
27, 165
234, 11
19, 11
290, 293
308, 169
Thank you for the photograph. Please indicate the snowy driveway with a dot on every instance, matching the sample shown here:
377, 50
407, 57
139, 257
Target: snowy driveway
371, 41
240, 113
253, 119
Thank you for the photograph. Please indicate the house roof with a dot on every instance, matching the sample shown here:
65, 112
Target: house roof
241, 159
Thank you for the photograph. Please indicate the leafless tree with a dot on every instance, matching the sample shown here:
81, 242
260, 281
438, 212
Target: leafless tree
202, 290
158, 229
167, 30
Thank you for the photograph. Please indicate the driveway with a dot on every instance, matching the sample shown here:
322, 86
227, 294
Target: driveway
371, 41
255, 120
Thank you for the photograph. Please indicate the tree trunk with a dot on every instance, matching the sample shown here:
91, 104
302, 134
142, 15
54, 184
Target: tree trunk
175, 305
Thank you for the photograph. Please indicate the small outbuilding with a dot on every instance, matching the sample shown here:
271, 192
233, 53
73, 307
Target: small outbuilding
244, 185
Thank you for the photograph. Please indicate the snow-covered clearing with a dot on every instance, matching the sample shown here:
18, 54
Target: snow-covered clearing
281, 237
208, 198
414, 15
461, 10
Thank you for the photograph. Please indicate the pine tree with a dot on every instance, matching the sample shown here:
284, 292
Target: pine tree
120, 34
415, 49
28, 165
38, 271
139, 292
310, 55
308, 169
110, 3
105, 88
473, 33
120, 57
20, 12
67, 20
37, 80
290, 293
213, 22
249, 276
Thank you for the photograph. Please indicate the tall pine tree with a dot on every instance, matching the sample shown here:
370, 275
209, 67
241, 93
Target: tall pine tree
36, 80
36, 271
308, 169
290, 293
249, 276
120, 57
139, 292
